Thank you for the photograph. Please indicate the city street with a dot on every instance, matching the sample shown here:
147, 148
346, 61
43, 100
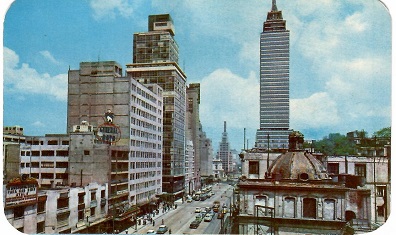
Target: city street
178, 220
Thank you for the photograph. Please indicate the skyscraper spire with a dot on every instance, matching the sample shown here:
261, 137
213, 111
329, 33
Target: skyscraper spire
274, 8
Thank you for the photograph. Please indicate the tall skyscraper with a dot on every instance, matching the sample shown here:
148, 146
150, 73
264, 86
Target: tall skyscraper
155, 61
274, 82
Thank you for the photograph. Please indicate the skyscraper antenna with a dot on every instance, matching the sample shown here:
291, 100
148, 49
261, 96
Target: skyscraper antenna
274, 8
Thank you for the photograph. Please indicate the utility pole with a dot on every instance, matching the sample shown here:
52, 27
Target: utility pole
268, 147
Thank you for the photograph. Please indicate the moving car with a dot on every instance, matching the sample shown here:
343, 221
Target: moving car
208, 218
195, 224
199, 217
189, 200
197, 209
162, 229
151, 231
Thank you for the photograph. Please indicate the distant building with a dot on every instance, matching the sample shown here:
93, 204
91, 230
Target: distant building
218, 171
207, 156
194, 129
190, 168
155, 61
224, 152
274, 82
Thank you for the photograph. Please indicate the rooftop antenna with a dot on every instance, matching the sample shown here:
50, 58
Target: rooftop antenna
274, 8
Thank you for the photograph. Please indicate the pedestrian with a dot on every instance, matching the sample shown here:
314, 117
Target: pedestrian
162, 222
153, 222
170, 231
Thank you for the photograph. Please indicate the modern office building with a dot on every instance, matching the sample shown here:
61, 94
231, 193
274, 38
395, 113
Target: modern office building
155, 61
274, 82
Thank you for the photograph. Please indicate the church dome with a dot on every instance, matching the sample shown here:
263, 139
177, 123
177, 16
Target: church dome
296, 164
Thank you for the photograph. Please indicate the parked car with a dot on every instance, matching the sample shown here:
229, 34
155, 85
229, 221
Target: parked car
151, 231
189, 200
208, 218
162, 229
195, 224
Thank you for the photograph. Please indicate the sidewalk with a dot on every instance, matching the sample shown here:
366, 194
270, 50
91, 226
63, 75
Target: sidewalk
156, 218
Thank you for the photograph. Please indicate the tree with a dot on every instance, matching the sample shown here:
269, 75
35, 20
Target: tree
384, 132
335, 144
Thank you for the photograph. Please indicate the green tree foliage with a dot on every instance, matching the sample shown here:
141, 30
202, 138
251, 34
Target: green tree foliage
335, 144
384, 132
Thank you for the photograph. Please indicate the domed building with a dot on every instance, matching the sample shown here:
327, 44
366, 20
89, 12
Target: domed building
295, 195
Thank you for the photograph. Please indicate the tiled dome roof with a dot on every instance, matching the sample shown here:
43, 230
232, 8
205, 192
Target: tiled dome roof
297, 165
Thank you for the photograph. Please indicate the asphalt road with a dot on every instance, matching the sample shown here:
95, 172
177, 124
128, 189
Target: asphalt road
178, 220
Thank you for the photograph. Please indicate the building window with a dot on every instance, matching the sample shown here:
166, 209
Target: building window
333, 168
93, 211
40, 227
81, 198
41, 207
360, 170
253, 167
63, 202
86, 152
309, 208
93, 196
19, 212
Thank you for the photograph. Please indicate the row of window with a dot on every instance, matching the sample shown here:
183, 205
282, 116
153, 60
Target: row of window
45, 164
145, 134
45, 153
144, 124
145, 144
144, 165
140, 154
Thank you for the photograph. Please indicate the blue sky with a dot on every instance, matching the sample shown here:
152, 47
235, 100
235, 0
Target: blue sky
340, 65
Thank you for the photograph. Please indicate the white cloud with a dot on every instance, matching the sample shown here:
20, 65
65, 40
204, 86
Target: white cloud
47, 55
318, 110
110, 8
356, 22
229, 97
24, 79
